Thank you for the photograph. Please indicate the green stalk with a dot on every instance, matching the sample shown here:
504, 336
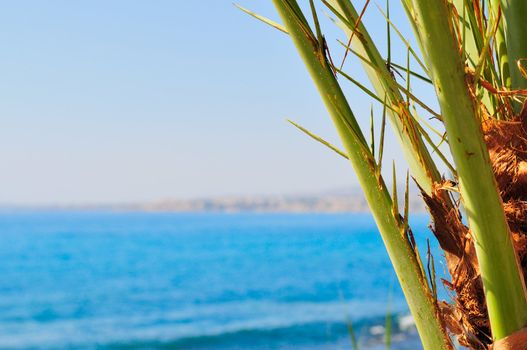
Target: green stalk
501, 48
469, 42
401, 253
503, 283
421, 164
473, 44
515, 23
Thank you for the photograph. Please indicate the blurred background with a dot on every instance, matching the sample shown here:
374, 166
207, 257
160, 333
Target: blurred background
155, 197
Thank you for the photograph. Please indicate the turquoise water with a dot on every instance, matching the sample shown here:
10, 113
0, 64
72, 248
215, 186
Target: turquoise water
194, 281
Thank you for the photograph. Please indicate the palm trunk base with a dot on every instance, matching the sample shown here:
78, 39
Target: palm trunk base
467, 316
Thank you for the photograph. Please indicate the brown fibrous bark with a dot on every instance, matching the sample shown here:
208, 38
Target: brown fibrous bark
466, 317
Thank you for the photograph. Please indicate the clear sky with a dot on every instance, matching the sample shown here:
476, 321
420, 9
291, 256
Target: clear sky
116, 101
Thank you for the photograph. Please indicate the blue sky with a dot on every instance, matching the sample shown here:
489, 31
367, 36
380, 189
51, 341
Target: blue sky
118, 101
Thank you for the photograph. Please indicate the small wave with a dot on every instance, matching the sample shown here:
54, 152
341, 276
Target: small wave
205, 327
306, 336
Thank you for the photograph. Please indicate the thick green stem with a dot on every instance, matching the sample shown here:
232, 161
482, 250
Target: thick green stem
403, 257
503, 283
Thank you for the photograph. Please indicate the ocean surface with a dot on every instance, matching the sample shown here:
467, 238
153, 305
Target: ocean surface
198, 281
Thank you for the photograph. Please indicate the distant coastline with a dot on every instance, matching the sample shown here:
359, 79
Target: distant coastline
270, 204
330, 202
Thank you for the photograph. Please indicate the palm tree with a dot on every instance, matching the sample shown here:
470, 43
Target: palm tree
472, 53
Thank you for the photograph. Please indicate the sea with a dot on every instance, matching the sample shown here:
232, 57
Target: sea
95, 280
